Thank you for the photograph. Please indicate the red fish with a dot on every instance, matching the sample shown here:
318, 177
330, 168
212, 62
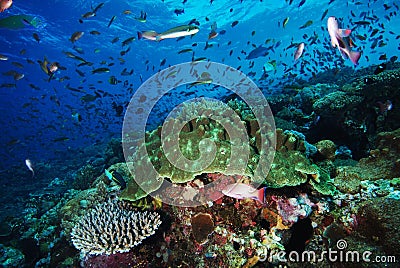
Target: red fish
340, 39
5, 4
243, 191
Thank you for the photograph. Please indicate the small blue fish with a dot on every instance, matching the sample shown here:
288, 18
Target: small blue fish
257, 52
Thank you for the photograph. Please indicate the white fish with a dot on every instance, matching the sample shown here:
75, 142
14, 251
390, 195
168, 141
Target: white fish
28, 163
340, 39
176, 32
243, 191
299, 51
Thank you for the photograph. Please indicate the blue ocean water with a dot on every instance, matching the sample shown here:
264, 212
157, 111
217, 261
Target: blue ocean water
37, 120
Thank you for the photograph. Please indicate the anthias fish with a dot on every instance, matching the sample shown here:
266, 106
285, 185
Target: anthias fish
5, 4
76, 36
243, 191
299, 51
340, 39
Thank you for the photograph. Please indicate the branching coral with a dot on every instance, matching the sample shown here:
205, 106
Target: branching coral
108, 229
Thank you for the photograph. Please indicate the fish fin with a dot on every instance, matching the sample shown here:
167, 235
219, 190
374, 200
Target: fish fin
50, 77
108, 174
261, 195
351, 43
354, 56
158, 38
343, 53
344, 32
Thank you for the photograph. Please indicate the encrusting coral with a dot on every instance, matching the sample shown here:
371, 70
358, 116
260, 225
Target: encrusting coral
108, 229
202, 226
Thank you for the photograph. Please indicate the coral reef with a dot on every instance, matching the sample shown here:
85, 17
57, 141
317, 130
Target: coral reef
108, 229
335, 103
11, 257
315, 195
378, 222
327, 149
182, 161
292, 209
290, 166
383, 162
202, 226
85, 176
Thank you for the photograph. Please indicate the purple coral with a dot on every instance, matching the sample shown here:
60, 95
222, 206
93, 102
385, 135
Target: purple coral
293, 209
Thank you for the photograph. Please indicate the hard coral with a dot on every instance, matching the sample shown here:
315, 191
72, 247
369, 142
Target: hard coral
202, 227
327, 149
383, 162
117, 260
292, 209
379, 221
108, 229
191, 144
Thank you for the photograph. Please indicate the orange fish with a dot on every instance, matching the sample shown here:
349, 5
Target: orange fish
5, 4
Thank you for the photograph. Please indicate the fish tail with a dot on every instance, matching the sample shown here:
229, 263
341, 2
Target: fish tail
139, 35
261, 195
50, 77
354, 56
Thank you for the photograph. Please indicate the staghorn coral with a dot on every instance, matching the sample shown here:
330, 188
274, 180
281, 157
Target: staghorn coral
108, 229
